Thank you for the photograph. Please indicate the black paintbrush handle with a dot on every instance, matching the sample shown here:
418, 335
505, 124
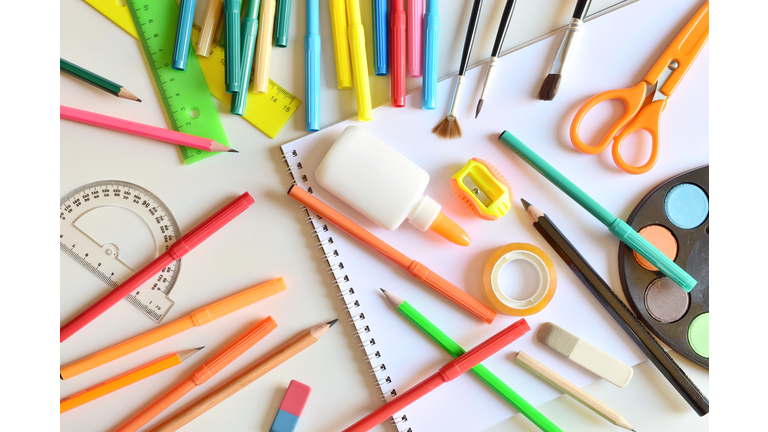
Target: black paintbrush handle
619, 311
581, 9
469, 39
503, 26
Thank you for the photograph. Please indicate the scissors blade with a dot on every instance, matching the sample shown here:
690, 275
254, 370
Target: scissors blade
656, 87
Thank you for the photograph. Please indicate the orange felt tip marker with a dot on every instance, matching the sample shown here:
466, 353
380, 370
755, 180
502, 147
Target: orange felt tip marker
414, 268
126, 379
202, 374
197, 318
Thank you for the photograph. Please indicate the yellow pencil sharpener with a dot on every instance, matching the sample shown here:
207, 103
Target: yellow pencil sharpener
483, 189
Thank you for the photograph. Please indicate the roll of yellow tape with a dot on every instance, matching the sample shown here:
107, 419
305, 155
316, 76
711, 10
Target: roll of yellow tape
544, 267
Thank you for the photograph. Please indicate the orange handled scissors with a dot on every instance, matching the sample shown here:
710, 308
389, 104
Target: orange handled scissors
645, 101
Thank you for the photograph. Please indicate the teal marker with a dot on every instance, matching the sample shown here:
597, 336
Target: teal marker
250, 27
232, 49
616, 226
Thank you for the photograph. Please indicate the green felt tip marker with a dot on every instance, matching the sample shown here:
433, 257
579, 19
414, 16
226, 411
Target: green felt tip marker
486, 376
282, 22
616, 226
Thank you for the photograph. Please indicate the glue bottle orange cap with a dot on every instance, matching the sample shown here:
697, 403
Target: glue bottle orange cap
450, 230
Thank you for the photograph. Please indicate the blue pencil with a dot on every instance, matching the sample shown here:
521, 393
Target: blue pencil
429, 77
183, 34
380, 37
312, 66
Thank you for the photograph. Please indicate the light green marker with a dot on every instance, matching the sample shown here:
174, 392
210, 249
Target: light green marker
486, 376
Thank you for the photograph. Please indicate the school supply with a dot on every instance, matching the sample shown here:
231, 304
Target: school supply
176, 251
388, 191
501, 33
645, 102
486, 376
198, 318
483, 189
379, 16
584, 354
552, 82
291, 407
312, 66
431, 38
142, 130
359, 61
282, 23
545, 270
341, 43
263, 55
103, 260
414, 33
210, 24
565, 386
95, 80
231, 33
272, 360
268, 112
618, 310
616, 226
250, 27
449, 372
126, 379
414, 268
398, 53
183, 33
203, 373
449, 126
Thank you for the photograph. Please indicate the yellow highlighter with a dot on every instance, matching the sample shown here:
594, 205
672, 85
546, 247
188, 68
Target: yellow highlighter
359, 61
483, 189
341, 43
263, 55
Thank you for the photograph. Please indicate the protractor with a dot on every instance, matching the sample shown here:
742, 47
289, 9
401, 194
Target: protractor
113, 229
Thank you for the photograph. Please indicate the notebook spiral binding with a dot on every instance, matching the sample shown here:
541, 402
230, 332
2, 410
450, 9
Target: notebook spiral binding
335, 267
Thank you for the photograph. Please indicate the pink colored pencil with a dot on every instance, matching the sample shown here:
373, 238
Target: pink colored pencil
142, 130
414, 31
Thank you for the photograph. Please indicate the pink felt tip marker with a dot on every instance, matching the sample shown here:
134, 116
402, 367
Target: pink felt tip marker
414, 30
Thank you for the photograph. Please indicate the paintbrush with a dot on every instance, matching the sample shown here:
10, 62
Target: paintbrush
449, 126
500, 35
552, 82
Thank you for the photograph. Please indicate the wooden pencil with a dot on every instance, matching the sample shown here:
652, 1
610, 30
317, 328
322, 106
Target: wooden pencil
96, 80
272, 360
618, 310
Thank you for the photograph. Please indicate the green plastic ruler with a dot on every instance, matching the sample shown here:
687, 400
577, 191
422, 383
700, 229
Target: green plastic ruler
188, 105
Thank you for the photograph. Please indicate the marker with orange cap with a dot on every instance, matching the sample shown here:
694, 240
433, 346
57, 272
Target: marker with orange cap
383, 185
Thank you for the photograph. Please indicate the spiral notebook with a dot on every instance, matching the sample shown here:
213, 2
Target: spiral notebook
398, 356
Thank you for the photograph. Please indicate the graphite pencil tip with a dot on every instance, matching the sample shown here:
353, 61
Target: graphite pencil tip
331, 323
479, 107
232, 151
526, 204
199, 348
383, 290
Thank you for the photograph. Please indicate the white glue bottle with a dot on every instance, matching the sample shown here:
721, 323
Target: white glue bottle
383, 185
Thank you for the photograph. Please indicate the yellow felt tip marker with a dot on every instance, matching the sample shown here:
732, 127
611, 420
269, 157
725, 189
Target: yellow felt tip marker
359, 61
483, 189
341, 43
263, 55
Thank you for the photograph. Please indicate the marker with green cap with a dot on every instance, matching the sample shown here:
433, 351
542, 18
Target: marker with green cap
232, 49
250, 27
486, 376
282, 23
616, 226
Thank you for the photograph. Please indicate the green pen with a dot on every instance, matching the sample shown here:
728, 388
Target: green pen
616, 226
282, 22
232, 49
250, 26
486, 376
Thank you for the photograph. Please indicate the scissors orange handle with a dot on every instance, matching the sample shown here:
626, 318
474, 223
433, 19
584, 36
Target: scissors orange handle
648, 120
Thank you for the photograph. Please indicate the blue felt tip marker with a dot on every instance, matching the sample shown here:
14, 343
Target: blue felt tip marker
312, 66
183, 34
293, 402
429, 77
380, 37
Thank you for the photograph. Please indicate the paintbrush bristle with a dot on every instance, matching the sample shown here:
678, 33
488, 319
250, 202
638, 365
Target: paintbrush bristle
550, 87
448, 128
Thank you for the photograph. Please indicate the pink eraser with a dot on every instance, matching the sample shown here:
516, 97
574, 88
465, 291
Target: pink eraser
295, 398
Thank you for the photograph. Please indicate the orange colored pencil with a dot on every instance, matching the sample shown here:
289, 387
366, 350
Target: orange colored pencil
414, 268
200, 375
197, 318
126, 379
264, 365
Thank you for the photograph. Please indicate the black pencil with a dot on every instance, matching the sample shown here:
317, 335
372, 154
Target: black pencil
618, 310
96, 80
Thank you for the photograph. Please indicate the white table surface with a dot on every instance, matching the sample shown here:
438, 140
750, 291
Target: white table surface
88, 38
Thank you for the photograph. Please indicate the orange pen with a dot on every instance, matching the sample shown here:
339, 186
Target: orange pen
126, 379
414, 268
197, 318
202, 374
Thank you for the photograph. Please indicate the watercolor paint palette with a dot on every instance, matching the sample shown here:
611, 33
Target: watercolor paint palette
674, 217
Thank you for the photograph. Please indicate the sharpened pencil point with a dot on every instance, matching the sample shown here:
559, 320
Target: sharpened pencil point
383, 290
479, 107
199, 348
526, 204
233, 151
331, 323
